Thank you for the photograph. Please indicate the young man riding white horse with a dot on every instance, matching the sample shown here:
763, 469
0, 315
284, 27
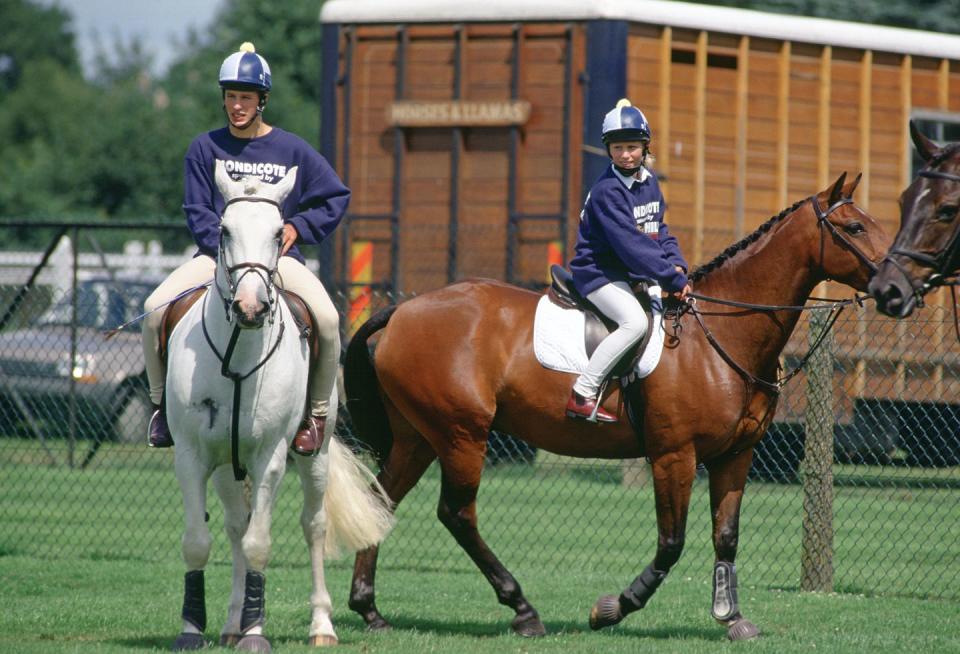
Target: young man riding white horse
235, 393
312, 210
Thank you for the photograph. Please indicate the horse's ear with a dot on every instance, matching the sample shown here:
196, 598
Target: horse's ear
228, 187
925, 146
836, 193
282, 189
852, 186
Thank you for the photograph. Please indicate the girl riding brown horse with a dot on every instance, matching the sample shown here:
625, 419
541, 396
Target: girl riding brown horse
452, 364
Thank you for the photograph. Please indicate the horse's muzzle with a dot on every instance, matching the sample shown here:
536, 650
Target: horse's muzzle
894, 298
250, 315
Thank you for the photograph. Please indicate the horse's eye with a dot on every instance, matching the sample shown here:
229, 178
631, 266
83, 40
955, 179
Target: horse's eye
279, 235
947, 212
854, 228
224, 233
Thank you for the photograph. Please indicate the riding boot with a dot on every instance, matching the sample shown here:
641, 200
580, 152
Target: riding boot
158, 434
581, 407
309, 436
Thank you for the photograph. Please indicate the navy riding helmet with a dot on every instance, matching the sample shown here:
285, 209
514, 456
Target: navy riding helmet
625, 123
245, 70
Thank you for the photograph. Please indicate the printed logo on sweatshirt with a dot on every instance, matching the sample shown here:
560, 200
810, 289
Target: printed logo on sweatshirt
646, 217
268, 172
641, 211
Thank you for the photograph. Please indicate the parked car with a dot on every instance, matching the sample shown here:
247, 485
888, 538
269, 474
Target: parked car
104, 379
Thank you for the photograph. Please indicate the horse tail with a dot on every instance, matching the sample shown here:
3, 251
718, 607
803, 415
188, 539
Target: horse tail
369, 416
359, 512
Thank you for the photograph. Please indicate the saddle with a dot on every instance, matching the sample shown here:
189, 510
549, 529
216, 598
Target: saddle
596, 325
303, 319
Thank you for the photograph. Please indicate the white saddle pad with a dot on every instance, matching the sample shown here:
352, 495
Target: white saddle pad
558, 338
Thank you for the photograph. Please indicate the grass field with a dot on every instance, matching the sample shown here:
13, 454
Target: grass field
90, 561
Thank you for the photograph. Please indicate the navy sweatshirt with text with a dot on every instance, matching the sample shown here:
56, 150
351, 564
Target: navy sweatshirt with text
315, 205
622, 236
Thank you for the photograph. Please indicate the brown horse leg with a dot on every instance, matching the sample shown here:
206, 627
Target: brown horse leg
728, 475
457, 510
409, 458
673, 476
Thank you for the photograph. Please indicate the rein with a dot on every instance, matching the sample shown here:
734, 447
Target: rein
835, 308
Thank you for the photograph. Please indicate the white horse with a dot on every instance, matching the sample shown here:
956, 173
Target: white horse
235, 394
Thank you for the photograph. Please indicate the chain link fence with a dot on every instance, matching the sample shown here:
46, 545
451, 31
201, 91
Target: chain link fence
856, 487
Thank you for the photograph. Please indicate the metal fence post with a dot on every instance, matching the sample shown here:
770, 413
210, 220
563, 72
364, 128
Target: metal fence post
817, 467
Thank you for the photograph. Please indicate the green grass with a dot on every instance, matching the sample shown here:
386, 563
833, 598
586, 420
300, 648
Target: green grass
124, 606
90, 562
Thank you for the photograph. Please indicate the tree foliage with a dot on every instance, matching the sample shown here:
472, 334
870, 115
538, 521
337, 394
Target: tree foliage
111, 145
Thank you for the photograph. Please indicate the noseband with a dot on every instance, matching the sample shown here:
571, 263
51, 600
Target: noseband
822, 220
266, 274
940, 263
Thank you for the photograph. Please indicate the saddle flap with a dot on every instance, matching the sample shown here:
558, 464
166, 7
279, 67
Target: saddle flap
172, 315
305, 321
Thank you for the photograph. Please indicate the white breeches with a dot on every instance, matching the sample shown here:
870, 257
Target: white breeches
618, 303
293, 276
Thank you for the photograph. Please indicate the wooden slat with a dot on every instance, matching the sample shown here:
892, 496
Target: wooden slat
740, 149
866, 77
823, 119
783, 122
663, 155
700, 140
906, 108
943, 85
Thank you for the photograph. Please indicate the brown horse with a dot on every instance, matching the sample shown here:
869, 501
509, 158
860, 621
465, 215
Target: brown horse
926, 250
454, 363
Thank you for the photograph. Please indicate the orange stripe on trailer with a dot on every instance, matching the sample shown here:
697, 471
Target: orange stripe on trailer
361, 261
554, 256
359, 307
361, 274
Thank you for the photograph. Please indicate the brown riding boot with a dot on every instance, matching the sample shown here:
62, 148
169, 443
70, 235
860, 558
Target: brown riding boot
158, 434
309, 437
582, 407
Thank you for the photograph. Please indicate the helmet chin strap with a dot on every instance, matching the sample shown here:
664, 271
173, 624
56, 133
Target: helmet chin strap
627, 172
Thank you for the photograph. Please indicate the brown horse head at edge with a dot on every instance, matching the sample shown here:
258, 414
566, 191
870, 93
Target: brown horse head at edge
926, 249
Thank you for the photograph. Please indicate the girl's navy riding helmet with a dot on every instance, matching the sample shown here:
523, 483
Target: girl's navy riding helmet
625, 123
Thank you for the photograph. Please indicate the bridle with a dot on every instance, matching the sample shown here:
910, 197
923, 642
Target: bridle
267, 275
835, 307
822, 221
939, 263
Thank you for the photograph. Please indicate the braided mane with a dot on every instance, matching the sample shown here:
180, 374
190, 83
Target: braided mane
721, 258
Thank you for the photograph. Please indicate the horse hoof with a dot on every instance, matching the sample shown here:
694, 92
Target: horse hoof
229, 640
188, 642
322, 640
378, 623
254, 643
528, 626
606, 612
742, 630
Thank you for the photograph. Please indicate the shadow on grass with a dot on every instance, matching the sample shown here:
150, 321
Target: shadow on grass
483, 630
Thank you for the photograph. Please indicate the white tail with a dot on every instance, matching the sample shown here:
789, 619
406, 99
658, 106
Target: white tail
358, 510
